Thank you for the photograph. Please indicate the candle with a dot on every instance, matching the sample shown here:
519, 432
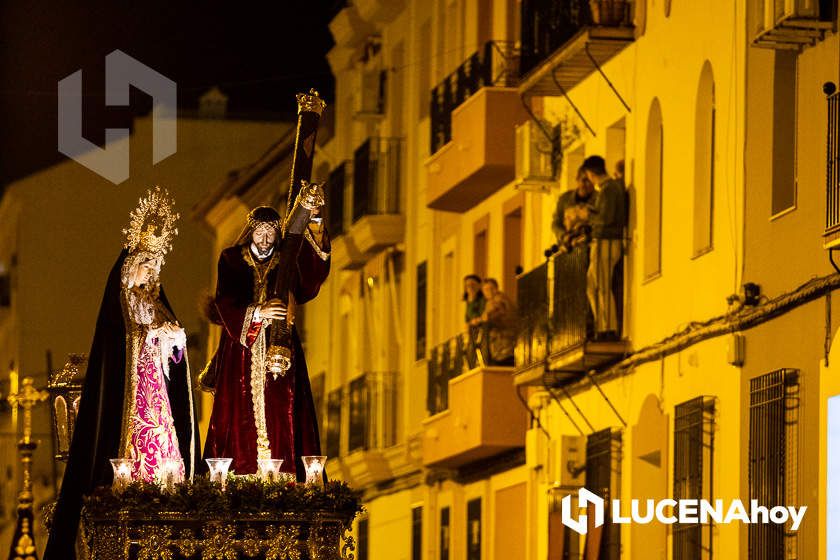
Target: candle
313, 465
170, 473
219, 469
269, 469
122, 473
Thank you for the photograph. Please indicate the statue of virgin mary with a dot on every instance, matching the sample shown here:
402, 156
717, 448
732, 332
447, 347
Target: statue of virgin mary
137, 398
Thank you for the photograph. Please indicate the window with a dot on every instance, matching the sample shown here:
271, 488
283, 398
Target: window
359, 415
704, 161
420, 325
773, 459
784, 131
364, 533
474, 529
417, 533
444, 534
653, 193
693, 447
333, 444
603, 452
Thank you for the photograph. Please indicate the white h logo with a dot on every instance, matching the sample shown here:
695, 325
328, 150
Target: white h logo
585, 497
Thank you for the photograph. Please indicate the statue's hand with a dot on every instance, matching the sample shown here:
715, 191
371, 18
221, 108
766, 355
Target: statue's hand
273, 309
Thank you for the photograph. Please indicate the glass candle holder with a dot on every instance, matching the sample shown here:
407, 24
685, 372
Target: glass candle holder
313, 466
219, 470
170, 472
269, 469
122, 473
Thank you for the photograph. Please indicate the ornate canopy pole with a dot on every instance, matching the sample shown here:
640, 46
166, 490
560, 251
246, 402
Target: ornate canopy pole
23, 542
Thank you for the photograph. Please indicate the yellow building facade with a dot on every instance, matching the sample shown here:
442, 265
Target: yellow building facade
457, 124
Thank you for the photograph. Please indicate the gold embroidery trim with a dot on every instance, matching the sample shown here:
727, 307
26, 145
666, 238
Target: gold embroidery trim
258, 375
258, 349
320, 252
246, 324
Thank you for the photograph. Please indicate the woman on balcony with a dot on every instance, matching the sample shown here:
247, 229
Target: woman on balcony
500, 319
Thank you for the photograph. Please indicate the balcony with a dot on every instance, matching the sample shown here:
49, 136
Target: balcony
564, 42
831, 237
474, 409
364, 213
556, 344
793, 24
473, 115
358, 446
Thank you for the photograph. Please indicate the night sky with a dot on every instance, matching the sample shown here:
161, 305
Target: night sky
260, 55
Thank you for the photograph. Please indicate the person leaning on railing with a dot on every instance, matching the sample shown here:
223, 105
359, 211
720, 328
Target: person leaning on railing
500, 319
608, 219
571, 217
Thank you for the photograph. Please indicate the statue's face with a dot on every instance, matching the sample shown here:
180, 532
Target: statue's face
263, 238
146, 272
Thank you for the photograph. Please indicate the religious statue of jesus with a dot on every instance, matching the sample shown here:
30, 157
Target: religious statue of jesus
258, 415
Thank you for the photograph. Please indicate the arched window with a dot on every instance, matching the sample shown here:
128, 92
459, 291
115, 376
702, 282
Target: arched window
652, 240
704, 162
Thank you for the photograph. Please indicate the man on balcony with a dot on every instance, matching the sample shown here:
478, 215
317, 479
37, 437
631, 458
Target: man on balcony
608, 220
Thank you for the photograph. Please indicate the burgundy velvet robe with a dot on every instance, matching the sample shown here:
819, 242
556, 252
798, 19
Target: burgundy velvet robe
290, 417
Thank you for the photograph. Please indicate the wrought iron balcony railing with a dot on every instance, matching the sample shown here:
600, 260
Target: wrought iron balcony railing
555, 308
495, 64
376, 177
373, 411
547, 24
370, 403
450, 359
832, 171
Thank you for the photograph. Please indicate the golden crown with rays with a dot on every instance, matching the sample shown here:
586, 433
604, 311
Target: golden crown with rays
152, 227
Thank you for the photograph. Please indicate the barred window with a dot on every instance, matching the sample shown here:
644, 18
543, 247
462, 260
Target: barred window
444, 534
417, 533
603, 465
474, 529
359, 415
693, 452
774, 457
